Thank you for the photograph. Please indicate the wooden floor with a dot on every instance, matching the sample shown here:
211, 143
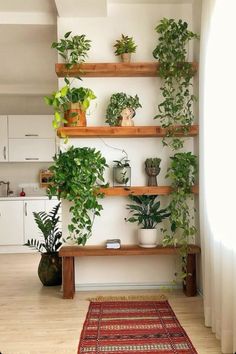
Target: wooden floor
36, 320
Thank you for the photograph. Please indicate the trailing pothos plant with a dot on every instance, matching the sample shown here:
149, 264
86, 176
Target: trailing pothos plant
182, 172
176, 74
77, 174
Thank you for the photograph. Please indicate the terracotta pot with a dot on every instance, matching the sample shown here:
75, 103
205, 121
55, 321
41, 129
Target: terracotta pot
125, 57
75, 116
50, 269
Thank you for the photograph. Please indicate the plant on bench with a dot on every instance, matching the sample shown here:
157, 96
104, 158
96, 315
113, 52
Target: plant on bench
76, 174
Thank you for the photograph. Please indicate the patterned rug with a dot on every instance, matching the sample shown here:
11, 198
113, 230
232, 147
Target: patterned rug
126, 327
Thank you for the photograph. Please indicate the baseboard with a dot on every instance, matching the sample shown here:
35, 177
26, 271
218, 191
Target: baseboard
126, 286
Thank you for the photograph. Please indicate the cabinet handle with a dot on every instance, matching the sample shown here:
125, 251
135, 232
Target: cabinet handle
31, 158
26, 209
31, 135
5, 152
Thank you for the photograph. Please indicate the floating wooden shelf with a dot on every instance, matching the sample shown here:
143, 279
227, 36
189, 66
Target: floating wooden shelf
140, 190
118, 132
138, 69
44, 176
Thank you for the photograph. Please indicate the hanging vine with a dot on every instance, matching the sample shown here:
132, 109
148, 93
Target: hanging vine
176, 74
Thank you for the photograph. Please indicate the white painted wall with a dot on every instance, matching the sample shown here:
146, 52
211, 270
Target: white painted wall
138, 21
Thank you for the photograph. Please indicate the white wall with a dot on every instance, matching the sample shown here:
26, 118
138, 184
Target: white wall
138, 21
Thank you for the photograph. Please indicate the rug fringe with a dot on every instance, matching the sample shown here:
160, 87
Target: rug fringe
128, 298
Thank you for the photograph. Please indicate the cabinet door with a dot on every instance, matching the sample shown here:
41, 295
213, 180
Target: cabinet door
31, 150
11, 223
30, 227
30, 126
3, 139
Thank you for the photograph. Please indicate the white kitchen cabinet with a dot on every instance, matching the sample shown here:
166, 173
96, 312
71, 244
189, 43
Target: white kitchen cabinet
3, 139
31, 150
30, 126
11, 223
31, 229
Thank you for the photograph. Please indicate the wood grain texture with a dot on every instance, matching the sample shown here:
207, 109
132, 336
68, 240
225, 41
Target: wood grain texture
119, 132
133, 69
140, 190
36, 320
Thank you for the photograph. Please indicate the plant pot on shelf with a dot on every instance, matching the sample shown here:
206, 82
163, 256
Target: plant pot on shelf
148, 238
125, 57
50, 269
121, 175
75, 116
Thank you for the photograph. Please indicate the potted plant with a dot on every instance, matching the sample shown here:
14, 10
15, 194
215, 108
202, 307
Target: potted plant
70, 105
77, 175
119, 102
147, 213
152, 168
50, 266
74, 49
176, 73
121, 172
124, 47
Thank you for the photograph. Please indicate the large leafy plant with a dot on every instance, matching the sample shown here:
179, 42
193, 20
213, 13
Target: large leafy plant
176, 74
125, 45
48, 225
182, 172
118, 102
146, 211
77, 174
62, 99
74, 49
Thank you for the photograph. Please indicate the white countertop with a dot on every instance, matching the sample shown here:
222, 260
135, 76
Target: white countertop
30, 197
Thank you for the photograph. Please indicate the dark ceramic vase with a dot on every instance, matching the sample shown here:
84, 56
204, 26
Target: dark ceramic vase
50, 269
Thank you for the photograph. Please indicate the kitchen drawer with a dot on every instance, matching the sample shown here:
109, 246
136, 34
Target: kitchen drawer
31, 150
30, 126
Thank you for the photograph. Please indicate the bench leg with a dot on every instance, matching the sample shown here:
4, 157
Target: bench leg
190, 287
68, 279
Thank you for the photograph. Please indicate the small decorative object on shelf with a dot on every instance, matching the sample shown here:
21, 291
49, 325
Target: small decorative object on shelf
45, 178
121, 173
152, 168
124, 47
114, 243
22, 193
121, 109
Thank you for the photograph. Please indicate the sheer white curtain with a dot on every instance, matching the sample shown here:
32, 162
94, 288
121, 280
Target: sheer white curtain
218, 168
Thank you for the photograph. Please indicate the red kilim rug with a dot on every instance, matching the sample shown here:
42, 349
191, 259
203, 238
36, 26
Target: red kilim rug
124, 327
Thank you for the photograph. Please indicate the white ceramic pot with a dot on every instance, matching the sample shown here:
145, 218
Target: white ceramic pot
148, 238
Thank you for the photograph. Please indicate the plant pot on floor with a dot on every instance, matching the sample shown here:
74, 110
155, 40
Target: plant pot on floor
50, 269
148, 238
75, 116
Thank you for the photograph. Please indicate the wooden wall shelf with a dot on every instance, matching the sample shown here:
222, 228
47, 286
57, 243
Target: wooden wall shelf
134, 69
140, 190
118, 132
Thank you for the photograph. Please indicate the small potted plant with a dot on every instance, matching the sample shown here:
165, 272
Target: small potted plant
117, 108
70, 105
147, 213
76, 177
73, 50
50, 266
124, 47
152, 168
121, 172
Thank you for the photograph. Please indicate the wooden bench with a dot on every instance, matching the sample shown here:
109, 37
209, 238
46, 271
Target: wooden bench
68, 253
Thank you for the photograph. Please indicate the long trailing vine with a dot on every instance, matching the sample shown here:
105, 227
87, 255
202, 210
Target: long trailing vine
182, 172
176, 74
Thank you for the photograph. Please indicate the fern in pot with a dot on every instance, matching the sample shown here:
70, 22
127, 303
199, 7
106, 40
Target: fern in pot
50, 265
146, 213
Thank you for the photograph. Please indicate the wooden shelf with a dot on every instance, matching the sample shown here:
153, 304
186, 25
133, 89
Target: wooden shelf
138, 69
118, 132
140, 190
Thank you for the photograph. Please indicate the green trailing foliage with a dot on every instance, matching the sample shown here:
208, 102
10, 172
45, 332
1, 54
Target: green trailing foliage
125, 45
73, 49
77, 176
176, 74
48, 225
182, 172
118, 102
146, 211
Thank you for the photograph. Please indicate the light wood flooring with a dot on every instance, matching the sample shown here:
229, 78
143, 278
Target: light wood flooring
36, 320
